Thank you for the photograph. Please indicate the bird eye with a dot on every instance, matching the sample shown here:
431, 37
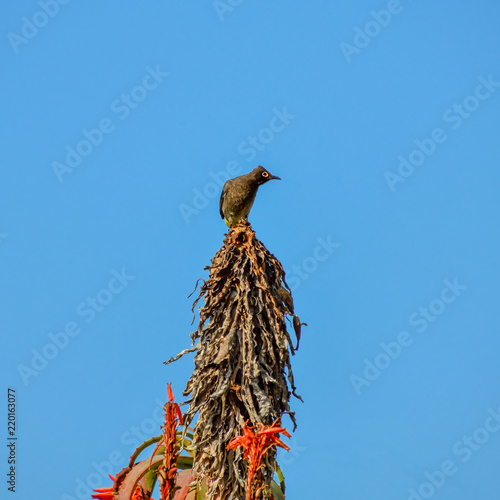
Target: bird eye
265, 174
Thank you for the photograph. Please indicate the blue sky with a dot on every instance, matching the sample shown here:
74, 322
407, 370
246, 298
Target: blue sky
120, 125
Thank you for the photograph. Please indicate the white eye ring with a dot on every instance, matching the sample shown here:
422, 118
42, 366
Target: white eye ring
265, 174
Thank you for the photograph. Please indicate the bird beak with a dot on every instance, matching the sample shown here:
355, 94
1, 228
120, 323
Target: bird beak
275, 177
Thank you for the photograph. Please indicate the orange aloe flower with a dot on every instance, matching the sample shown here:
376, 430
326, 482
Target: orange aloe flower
105, 493
138, 494
256, 444
173, 417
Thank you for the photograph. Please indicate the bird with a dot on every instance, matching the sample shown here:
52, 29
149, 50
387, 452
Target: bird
238, 194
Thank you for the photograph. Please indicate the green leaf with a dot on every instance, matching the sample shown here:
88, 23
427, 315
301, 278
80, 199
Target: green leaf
281, 477
160, 450
149, 480
184, 462
141, 448
202, 490
278, 494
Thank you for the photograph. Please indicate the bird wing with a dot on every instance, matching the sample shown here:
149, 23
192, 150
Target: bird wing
222, 196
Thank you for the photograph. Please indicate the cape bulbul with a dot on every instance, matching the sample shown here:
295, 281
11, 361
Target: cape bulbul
238, 194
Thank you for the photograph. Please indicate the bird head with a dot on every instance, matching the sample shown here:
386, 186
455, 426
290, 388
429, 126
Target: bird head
261, 175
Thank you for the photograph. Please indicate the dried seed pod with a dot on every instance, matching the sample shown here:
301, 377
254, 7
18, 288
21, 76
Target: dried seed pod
242, 364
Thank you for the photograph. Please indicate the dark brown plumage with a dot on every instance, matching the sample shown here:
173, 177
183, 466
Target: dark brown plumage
238, 194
